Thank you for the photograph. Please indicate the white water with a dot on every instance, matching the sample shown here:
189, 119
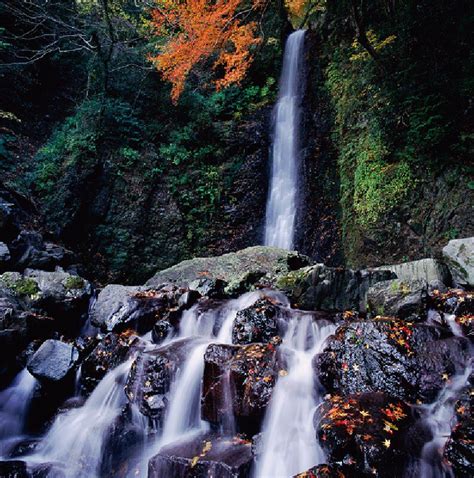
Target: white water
281, 206
439, 417
289, 443
77, 437
14, 404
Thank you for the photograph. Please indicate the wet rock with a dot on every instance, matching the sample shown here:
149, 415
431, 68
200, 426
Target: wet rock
459, 256
459, 451
427, 270
160, 331
150, 377
240, 377
326, 288
406, 360
188, 299
366, 435
322, 471
257, 323
120, 307
203, 456
400, 298
12, 342
205, 287
14, 469
47, 470
262, 263
53, 362
111, 351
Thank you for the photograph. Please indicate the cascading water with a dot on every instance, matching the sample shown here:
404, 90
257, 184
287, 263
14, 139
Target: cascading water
281, 206
14, 403
289, 442
77, 437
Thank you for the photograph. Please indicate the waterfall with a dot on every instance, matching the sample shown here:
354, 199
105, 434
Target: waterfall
14, 405
289, 444
281, 206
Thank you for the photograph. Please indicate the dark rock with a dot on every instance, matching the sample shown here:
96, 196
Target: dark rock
4, 256
120, 307
203, 456
326, 288
111, 351
23, 448
459, 451
29, 250
408, 361
245, 376
366, 434
398, 298
257, 323
12, 342
212, 288
160, 331
13, 469
188, 299
47, 470
150, 377
322, 471
53, 362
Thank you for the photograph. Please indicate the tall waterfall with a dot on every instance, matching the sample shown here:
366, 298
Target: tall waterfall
281, 206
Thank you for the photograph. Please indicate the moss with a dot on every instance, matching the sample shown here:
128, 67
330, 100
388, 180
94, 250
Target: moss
74, 282
22, 286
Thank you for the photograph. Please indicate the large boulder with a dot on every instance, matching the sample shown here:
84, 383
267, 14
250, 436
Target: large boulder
459, 255
239, 379
331, 289
406, 299
53, 362
370, 434
240, 270
411, 362
202, 456
121, 307
428, 270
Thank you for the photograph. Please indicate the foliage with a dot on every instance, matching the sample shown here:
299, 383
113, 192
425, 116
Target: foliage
193, 31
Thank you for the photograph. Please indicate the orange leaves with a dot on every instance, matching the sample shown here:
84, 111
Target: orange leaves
196, 30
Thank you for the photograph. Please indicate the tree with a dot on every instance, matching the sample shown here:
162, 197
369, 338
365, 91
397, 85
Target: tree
192, 31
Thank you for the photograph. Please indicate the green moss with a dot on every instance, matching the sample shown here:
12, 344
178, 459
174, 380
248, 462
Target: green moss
22, 287
74, 282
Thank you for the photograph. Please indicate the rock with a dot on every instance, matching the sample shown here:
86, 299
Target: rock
367, 434
240, 377
427, 270
160, 331
14, 469
4, 255
121, 307
400, 298
326, 288
322, 471
261, 263
112, 350
150, 377
53, 362
212, 288
459, 256
203, 456
188, 299
459, 450
257, 323
408, 361
57, 294
29, 250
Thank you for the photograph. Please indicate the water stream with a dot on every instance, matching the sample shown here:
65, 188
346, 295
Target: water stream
289, 442
283, 188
